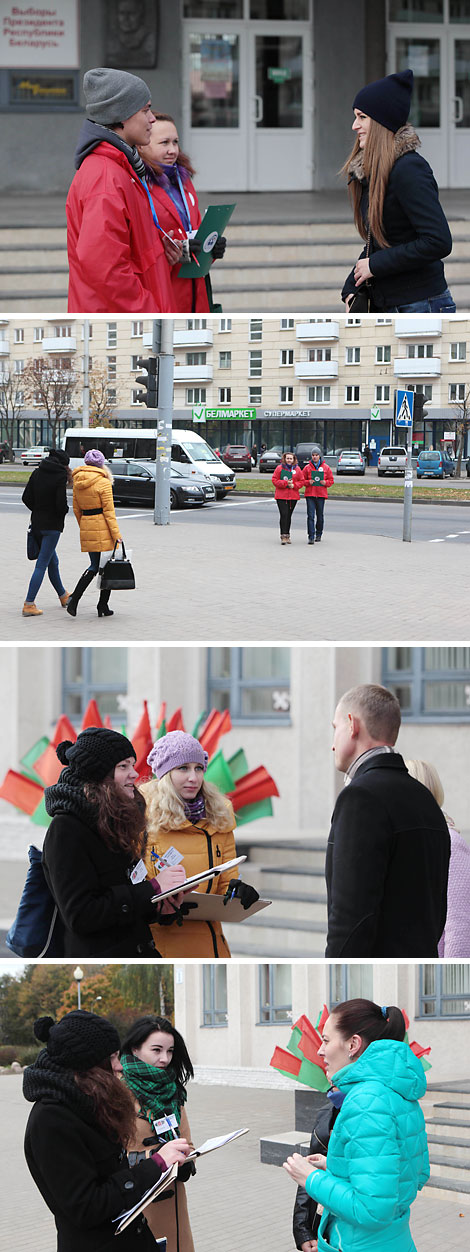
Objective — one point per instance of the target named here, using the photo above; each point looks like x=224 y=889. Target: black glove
x=242 y=891
x=194 y=246
x=186 y=1171
x=219 y=248
x=178 y=914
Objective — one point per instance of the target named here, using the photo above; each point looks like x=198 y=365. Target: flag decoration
x=302 y=1062
x=250 y=791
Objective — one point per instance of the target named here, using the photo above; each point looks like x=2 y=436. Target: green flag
x=238 y=764
x=33 y=754
x=219 y=773
x=40 y=817
x=250 y=812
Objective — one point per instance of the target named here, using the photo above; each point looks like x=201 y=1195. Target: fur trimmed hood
x=406 y=140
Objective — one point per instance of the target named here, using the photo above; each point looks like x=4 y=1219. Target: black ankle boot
x=77 y=593
x=102 y=605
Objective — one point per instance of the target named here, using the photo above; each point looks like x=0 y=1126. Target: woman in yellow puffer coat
x=189 y=822
x=93 y=506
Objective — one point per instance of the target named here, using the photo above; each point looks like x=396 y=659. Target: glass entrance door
x=459 y=138
x=281 y=139
x=413 y=49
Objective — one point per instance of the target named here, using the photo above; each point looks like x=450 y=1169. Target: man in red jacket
x=317 y=477
x=117 y=261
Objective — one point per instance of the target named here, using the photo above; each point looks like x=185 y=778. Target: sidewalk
x=226 y=582
x=236 y=1204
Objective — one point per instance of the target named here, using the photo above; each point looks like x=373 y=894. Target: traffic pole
x=163 y=335
x=86 y=374
x=408 y=494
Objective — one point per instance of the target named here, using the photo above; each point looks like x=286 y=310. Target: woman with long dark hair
x=377 y=1156
x=396 y=207
x=92 y=855
x=157 y=1069
x=45 y=495
x=77 y=1135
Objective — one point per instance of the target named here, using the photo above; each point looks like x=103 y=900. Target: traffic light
x=148 y=380
x=419 y=411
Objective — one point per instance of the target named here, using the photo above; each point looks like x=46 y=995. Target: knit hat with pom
x=174 y=749
x=79 y=1041
x=95 y=753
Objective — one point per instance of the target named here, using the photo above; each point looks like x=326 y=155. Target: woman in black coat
x=46 y=495
x=77 y=1133
x=305 y=1218
x=93 y=848
x=396 y=208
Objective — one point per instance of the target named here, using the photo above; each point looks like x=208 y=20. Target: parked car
x=237 y=456
x=435 y=464
x=135 y=481
x=32 y=456
x=269 y=459
x=351 y=461
x=303 y=452
x=391 y=461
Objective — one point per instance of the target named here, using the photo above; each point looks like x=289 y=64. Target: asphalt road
x=433 y=523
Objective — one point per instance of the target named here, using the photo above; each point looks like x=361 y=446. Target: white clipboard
x=190 y=883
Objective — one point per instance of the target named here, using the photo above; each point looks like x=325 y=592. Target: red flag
x=284 y=1060
x=309 y=1042
x=252 y=787
x=217 y=724
x=48 y=765
x=161 y=715
x=108 y=723
x=142 y=740
x=20 y=791
x=176 y=721
x=91 y=716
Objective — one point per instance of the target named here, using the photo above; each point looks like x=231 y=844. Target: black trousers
x=286 y=509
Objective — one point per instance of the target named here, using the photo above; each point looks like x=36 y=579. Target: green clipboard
x=213 y=224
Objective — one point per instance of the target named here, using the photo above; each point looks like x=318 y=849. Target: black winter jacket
x=387 y=864
x=83 y=1176
x=305 y=1219
x=103 y=913
x=414 y=226
x=45 y=494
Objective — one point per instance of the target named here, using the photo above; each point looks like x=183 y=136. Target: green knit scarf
x=157 y=1090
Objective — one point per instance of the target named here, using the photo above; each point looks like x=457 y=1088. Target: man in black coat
x=389 y=846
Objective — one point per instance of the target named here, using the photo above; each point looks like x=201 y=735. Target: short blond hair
x=427 y=774
x=378 y=707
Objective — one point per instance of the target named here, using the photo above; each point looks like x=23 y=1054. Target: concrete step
x=31 y=259
x=260 y=935
x=274 y=1149
x=304 y=906
x=29 y=282
x=451 y=1148
x=269 y=879
x=450 y=1189
x=457 y=1169
x=452 y=1110
x=299 y=855
x=30 y=236
x=446 y=1129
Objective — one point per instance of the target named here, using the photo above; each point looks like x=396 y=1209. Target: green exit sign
x=279 y=75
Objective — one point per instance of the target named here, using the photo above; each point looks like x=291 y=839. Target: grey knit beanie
x=113 y=95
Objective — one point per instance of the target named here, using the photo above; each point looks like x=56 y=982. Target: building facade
x=271 y=380
x=252 y=84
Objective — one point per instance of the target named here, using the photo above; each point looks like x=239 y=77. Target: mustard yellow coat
x=92 y=489
x=169 y=1215
x=202 y=847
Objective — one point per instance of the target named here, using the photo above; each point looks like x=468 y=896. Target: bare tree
x=462 y=426
x=11 y=405
x=50 y=385
x=102 y=408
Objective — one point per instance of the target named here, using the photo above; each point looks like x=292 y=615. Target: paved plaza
x=236 y=1204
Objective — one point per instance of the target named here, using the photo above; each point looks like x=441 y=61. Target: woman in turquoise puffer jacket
x=377 y=1155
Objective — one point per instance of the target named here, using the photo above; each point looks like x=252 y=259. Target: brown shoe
x=283 y=538
x=64 y=599
x=287 y=538
x=30 y=610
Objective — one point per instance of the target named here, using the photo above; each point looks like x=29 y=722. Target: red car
x=237 y=456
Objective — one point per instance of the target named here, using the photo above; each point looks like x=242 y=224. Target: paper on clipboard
x=190 y=883
x=213 y=224
x=211 y=908
x=164 y=1181
x=210 y=1145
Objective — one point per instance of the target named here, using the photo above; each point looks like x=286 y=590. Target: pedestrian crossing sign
x=404 y=408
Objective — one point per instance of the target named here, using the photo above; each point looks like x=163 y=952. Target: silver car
x=391 y=461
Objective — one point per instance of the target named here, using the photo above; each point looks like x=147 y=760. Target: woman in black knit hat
x=77 y=1133
x=93 y=848
x=396 y=208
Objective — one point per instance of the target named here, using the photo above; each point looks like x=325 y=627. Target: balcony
x=65 y=344
x=418 y=327
x=316 y=369
x=184 y=338
x=4 y=347
x=193 y=373
x=417 y=367
x=323 y=331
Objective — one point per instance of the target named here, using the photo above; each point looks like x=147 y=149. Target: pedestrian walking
x=93 y=506
x=388 y=850
x=117 y=260
x=455 y=939
x=254 y=454
x=92 y=855
x=156 y=1069
x=77 y=1132
x=306 y=1218
x=396 y=208
x=288 y=480
x=169 y=172
x=377 y=1157
x=317 y=477
x=45 y=495
x=190 y=824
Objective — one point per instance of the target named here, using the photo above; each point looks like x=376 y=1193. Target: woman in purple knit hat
x=455 y=938
x=93 y=506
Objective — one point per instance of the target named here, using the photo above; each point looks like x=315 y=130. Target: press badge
x=170 y=858
x=138 y=873
x=164 y=1124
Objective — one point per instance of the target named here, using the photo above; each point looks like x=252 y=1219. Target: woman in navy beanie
x=396 y=208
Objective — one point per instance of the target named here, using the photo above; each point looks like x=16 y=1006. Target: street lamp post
x=78 y=975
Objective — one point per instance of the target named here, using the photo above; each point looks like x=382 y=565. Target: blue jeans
x=315 y=510
x=94 y=561
x=437 y=304
x=47 y=560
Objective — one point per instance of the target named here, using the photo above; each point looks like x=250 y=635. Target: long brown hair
x=283 y=459
x=377 y=158
x=183 y=158
x=120 y=819
x=114 y=1104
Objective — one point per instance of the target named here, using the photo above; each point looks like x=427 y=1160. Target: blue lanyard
x=152 y=206
x=185 y=202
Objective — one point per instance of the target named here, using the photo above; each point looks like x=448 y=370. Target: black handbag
x=33 y=544
x=118 y=575
x=38 y=929
x=363 y=300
